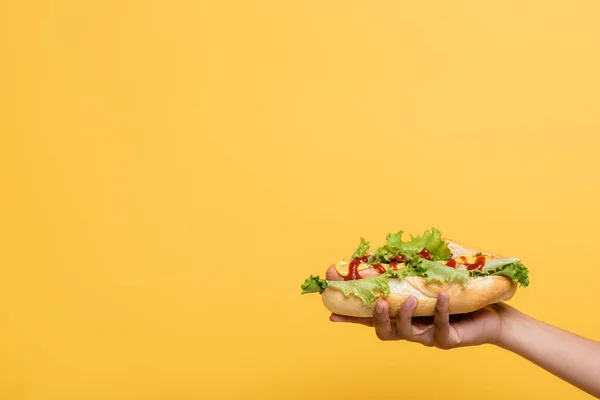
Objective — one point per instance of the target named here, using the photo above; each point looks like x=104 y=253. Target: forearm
x=566 y=355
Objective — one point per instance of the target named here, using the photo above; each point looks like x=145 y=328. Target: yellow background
x=172 y=171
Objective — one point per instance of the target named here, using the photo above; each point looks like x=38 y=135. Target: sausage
x=333 y=275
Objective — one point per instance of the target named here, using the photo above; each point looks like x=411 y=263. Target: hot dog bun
x=478 y=293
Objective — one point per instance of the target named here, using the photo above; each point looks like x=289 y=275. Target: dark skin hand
x=570 y=357
x=441 y=330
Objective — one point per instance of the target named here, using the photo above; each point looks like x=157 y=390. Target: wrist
x=510 y=320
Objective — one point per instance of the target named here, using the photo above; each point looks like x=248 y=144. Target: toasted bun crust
x=478 y=293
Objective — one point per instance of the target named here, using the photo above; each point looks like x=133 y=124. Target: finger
x=353 y=320
x=441 y=321
x=404 y=318
x=419 y=327
x=381 y=320
x=332 y=274
x=421 y=323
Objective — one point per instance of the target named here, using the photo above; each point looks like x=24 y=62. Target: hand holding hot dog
x=441 y=331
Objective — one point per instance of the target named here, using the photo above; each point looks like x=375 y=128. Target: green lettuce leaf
x=430 y=240
x=392 y=247
x=517 y=272
x=370 y=288
x=434 y=271
x=314 y=284
x=439 y=272
x=501 y=262
x=362 y=248
x=410 y=271
x=514 y=270
x=367 y=289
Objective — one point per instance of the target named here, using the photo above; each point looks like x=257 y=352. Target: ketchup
x=399 y=258
x=379 y=268
x=353 y=268
x=393 y=265
x=425 y=254
x=478 y=264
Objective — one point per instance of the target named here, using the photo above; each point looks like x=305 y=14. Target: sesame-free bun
x=478 y=293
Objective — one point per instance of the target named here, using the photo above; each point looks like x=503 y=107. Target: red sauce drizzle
x=353 y=268
x=478 y=264
x=394 y=265
x=379 y=268
x=451 y=263
x=399 y=258
x=425 y=254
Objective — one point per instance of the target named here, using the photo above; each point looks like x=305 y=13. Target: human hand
x=442 y=330
x=570 y=357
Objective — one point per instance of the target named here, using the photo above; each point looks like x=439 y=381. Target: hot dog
x=423 y=266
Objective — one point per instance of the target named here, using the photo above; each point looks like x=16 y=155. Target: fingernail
x=409 y=302
x=379 y=307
